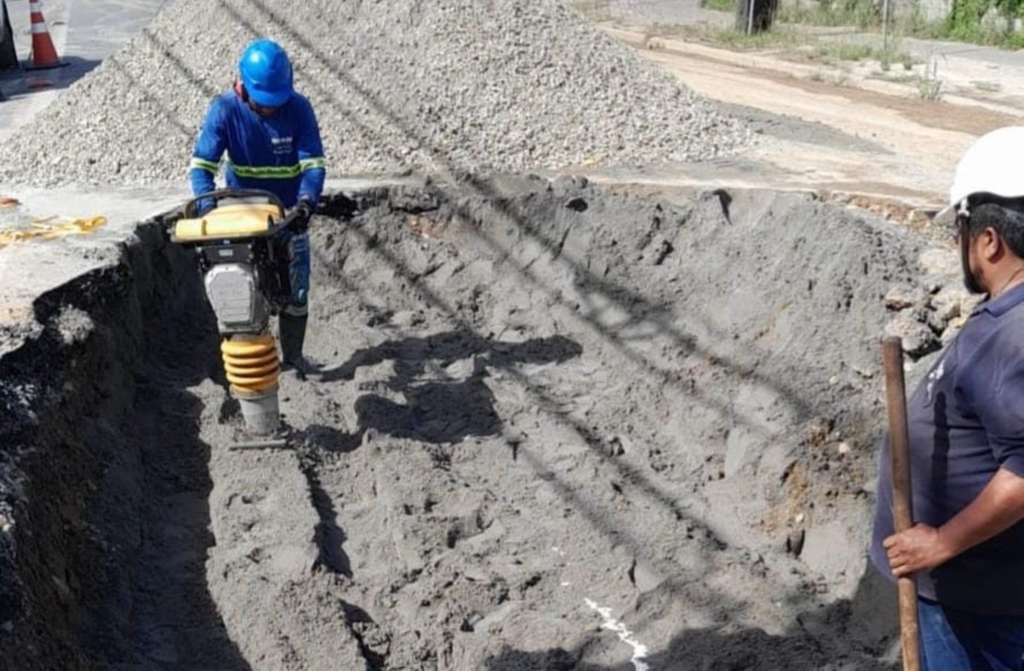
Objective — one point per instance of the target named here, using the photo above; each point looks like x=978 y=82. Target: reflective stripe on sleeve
x=203 y=164
x=312 y=163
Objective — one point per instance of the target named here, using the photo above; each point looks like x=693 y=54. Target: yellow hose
x=53 y=227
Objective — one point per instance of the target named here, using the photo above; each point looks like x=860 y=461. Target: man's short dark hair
x=1005 y=216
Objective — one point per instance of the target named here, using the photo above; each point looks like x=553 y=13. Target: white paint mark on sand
x=624 y=634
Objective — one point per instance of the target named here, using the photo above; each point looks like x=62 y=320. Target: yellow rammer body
x=237 y=257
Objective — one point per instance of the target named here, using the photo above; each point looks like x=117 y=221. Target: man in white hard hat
x=966 y=430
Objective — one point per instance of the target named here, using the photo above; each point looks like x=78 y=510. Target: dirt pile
x=624 y=402
x=427 y=85
x=539 y=409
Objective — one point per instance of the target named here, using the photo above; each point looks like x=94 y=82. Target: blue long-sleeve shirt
x=282 y=154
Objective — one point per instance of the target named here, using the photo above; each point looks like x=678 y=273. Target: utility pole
x=885 y=25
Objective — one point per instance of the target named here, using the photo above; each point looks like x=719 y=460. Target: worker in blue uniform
x=272 y=141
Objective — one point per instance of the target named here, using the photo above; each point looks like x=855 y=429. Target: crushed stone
x=438 y=85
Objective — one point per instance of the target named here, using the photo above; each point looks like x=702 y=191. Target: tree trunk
x=761 y=21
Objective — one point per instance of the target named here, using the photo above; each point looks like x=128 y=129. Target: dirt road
x=829 y=127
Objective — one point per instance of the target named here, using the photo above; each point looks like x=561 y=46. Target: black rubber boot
x=292 y=333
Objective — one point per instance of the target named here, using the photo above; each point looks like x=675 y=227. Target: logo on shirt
x=934 y=377
x=282 y=145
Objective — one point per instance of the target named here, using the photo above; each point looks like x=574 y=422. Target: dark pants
x=954 y=640
x=299 y=268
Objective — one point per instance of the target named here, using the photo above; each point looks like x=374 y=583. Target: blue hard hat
x=266 y=73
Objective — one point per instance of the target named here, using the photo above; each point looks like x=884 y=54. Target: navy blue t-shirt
x=966 y=421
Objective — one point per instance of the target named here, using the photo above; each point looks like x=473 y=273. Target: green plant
x=833 y=52
x=845 y=51
x=929 y=86
x=967 y=23
x=902 y=79
x=720 y=5
x=832 y=79
x=892 y=54
x=861 y=13
x=659 y=29
x=929 y=89
x=736 y=39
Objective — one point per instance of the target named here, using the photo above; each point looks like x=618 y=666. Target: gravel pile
x=422 y=85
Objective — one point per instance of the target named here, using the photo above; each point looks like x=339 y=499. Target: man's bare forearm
x=997 y=508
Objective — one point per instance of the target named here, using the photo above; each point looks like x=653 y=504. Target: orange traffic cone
x=44 y=55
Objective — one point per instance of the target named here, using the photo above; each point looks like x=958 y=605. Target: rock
x=293 y=562
x=918 y=339
x=940 y=262
x=795 y=542
x=949 y=302
x=644 y=576
x=740 y=442
x=902 y=298
x=494 y=619
x=831 y=548
x=577 y=204
x=413 y=201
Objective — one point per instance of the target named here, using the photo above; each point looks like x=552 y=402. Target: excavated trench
x=550 y=426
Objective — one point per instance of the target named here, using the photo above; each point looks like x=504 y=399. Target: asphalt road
x=84 y=33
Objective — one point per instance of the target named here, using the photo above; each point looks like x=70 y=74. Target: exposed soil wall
x=537 y=408
x=84 y=463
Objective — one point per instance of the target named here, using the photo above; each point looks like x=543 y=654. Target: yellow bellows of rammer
x=251 y=366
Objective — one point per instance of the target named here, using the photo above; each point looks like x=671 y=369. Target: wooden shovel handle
x=903 y=516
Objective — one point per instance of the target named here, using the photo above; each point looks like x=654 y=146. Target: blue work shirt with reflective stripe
x=965 y=421
x=282 y=154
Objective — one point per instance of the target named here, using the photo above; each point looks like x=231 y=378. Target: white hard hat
x=993 y=164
